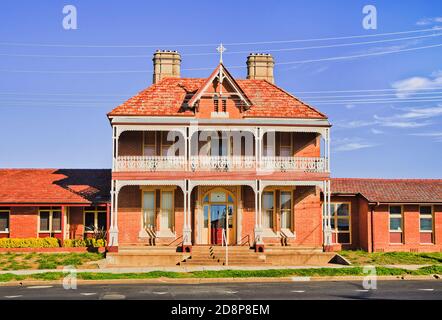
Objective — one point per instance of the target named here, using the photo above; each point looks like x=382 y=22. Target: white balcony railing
x=150 y=163
x=306 y=164
x=220 y=163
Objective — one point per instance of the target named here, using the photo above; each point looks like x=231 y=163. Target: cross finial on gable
x=221 y=49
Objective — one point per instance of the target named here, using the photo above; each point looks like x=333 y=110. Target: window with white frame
x=4 y=221
x=268 y=206
x=149 y=209
x=285 y=204
x=166 y=210
x=95 y=218
x=395 y=218
x=341 y=222
x=426 y=224
x=49 y=219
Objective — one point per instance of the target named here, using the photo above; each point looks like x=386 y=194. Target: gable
x=219 y=96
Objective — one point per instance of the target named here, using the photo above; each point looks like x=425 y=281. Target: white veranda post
x=113 y=229
x=187 y=230
x=327 y=214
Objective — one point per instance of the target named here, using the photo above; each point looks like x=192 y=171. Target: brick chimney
x=166 y=63
x=260 y=66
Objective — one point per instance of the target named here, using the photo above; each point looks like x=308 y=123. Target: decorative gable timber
x=221 y=74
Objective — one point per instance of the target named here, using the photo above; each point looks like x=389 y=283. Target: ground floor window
x=396 y=224
x=161 y=202
x=341 y=222
x=4 y=221
x=149 y=209
x=277 y=203
x=285 y=205
x=166 y=210
x=268 y=209
x=426 y=224
x=50 y=219
x=95 y=218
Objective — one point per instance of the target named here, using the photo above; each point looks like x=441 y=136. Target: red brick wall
x=129 y=214
x=23 y=222
x=76 y=227
x=308 y=217
x=248 y=214
x=131 y=143
x=306 y=145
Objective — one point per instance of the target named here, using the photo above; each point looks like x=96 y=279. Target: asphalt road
x=401 y=290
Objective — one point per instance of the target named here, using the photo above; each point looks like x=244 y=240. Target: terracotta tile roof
x=391 y=190
x=70 y=186
x=169 y=97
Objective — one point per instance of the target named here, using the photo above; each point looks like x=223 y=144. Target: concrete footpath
x=197 y=268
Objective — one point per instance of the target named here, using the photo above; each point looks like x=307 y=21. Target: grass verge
x=359 y=257
x=34 y=260
x=274 y=273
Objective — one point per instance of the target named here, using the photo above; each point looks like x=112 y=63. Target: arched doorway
x=219 y=213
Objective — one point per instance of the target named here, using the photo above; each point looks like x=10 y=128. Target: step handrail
x=173 y=241
x=245 y=242
x=224 y=241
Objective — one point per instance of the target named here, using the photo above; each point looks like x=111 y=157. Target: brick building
x=206 y=161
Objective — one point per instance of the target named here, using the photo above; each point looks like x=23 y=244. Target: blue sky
x=55 y=91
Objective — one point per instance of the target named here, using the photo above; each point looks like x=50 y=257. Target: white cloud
x=436 y=135
x=407 y=87
x=376 y=131
x=397 y=124
x=351 y=146
x=429 y=21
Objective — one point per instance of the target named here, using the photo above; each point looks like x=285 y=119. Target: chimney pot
x=166 y=63
x=260 y=66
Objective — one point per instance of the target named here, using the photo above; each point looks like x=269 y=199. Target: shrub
x=70 y=243
x=29 y=243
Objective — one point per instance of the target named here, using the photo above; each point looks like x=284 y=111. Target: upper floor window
x=149 y=143
x=94 y=219
x=4 y=221
x=159 y=143
x=285 y=144
x=50 y=219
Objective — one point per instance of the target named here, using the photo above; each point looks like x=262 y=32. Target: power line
x=369 y=90
x=214 y=53
x=231 y=67
x=214 y=44
x=371 y=102
x=369 y=95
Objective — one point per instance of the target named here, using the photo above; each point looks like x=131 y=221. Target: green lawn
x=352 y=271
x=19 y=261
x=359 y=257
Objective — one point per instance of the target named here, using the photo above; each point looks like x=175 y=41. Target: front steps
x=205 y=255
x=216 y=255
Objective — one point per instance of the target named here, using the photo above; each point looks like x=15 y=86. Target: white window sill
x=219 y=115
x=289 y=233
x=165 y=234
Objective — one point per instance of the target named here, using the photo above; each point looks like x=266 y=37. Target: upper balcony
x=220 y=151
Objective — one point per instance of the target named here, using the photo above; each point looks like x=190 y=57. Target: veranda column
x=187 y=230
x=326 y=217
x=259 y=243
x=113 y=230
